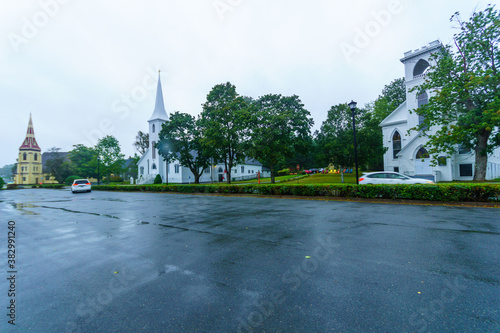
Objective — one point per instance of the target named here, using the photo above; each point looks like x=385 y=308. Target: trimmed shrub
x=445 y=193
x=53 y=186
x=69 y=180
x=117 y=179
x=157 y=179
x=284 y=172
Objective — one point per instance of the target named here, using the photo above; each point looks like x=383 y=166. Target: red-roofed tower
x=29 y=162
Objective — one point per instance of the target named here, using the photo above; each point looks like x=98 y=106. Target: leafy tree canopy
x=57 y=165
x=280 y=127
x=110 y=157
x=84 y=160
x=181 y=138
x=335 y=140
x=224 y=121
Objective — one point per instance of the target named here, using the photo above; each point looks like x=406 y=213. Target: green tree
x=335 y=140
x=84 y=160
x=141 y=143
x=132 y=169
x=57 y=165
x=2 y=183
x=280 y=127
x=110 y=157
x=181 y=138
x=393 y=95
x=224 y=122
x=465 y=97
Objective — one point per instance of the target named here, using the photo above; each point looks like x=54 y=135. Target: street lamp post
x=352 y=106
x=97 y=169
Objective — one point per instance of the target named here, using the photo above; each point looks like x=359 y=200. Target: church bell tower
x=29 y=161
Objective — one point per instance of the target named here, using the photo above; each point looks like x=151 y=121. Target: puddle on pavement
x=108 y=199
x=24 y=208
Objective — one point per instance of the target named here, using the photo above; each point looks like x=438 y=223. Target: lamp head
x=352 y=105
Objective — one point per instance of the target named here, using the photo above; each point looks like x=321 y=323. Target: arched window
x=422 y=153
x=420 y=67
x=153 y=128
x=36 y=157
x=154 y=166
x=242 y=169
x=396 y=144
x=154 y=149
x=423 y=99
x=25 y=156
x=142 y=170
x=220 y=169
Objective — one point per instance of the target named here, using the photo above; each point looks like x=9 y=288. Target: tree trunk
x=228 y=166
x=273 y=176
x=481 y=156
x=197 y=178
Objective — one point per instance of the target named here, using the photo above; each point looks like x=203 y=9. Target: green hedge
x=448 y=192
x=54 y=186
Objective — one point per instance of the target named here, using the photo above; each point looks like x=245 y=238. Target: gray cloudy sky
x=85 y=69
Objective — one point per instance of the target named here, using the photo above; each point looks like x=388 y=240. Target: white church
x=152 y=164
x=407 y=153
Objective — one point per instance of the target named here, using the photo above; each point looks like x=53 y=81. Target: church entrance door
x=423 y=163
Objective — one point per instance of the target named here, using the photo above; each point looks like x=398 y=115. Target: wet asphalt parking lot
x=152 y=262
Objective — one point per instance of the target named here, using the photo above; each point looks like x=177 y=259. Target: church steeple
x=159 y=112
x=29 y=142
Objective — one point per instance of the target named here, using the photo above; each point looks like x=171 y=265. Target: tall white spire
x=159 y=111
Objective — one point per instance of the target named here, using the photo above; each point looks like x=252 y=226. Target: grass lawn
x=266 y=180
x=330 y=178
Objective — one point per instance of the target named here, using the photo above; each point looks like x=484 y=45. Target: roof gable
x=400 y=115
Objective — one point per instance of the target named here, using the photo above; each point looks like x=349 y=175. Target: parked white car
x=390 y=177
x=81 y=185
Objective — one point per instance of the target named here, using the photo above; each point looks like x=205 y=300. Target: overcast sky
x=86 y=69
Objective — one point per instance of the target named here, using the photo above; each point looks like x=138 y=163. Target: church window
x=154 y=166
x=220 y=169
x=420 y=68
x=36 y=157
x=423 y=99
x=153 y=128
x=422 y=153
x=25 y=156
x=207 y=170
x=396 y=144
x=142 y=170
x=154 y=149
x=24 y=179
x=465 y=170
x=242 y=169
x=176 y=168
